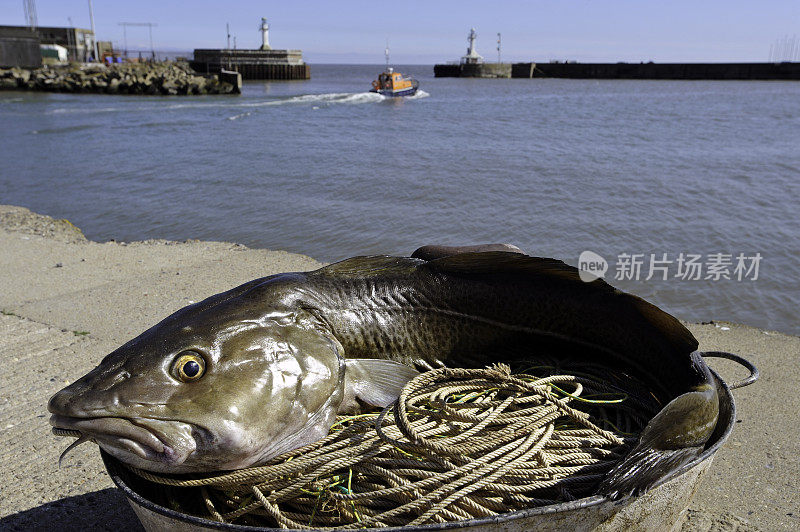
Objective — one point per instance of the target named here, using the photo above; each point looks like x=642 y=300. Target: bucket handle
x=754 y=373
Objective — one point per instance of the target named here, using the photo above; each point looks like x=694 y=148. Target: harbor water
x=688 y=190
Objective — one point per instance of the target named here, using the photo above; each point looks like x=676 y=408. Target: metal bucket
x=661 y=508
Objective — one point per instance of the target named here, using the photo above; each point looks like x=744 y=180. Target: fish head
x=210 y=388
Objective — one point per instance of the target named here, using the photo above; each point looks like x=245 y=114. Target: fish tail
x=642 y=469
x=676 y=435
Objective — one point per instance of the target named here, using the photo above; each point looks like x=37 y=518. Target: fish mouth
x=117 y=435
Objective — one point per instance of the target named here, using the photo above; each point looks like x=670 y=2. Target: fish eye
x=188 y=366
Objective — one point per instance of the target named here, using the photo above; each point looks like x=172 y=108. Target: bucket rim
x=113 y=468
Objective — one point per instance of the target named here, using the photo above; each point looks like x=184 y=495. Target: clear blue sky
x=435 y=30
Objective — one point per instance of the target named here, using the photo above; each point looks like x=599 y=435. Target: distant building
x=79 y=42
x=105 y=48
x=19 y=47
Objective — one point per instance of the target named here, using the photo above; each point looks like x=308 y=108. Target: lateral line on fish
x=487 y=321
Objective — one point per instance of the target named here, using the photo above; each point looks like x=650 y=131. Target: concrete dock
x=66 y=302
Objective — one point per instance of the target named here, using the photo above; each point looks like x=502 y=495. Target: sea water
x=686 y=190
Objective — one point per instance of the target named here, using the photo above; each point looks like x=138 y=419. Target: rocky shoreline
x=167 y=78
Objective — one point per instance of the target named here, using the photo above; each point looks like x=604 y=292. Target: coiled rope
x=457 y=444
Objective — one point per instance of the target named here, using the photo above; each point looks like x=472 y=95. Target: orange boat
x=391 y=83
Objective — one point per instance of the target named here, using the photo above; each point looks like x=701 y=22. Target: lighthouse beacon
x=265 y=35
x=472 y=57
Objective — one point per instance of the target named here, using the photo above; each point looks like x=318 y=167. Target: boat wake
x=316 y=101
x=329 y=98
x=240 y=115
x=85 y=110
x=245 y=108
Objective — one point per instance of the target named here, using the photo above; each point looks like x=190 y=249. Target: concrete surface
x=67 y=302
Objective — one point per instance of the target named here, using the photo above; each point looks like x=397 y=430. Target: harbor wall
x=697 y=71
x=474 y=70
x=253 y=64
x=446 y=71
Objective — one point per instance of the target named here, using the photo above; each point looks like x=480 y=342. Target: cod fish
x=245 y=375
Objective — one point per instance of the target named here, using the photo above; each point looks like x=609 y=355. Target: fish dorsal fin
x=556 y=271
x=368 y=266
x=377 y=382
x=499 y=262
x=432 y=252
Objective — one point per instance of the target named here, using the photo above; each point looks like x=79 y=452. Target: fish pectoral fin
x=374 y=381
x=671 y=439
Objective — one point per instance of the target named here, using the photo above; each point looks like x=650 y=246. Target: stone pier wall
x=480 y=70
x=711 y=71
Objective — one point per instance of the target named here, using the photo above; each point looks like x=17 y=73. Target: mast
x=94 y=35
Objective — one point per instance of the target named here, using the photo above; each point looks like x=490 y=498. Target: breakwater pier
x=263 y=63
x=473 y=70
x=472 y=65
x=167 y=78
x=253 y=64
x=706 y=71
x=696 y=71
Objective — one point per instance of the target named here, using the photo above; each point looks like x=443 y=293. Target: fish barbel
x=264 y=368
